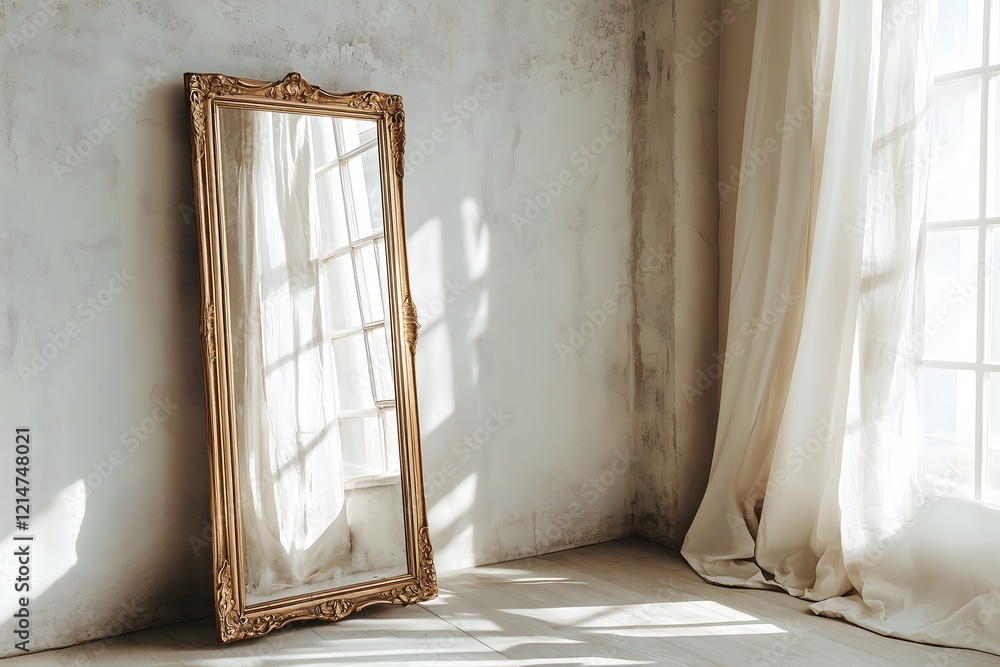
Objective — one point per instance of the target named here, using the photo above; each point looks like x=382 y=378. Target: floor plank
x=621 y=603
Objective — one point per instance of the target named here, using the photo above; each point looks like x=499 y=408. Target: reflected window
x=349 y=198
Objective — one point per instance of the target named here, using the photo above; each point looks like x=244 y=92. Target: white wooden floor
x=622 y=603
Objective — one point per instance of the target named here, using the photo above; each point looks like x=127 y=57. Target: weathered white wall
x=99 y=256
x=675 y=210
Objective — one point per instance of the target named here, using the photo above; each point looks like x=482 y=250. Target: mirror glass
x=313 y=388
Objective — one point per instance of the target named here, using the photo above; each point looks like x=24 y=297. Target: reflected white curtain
x=293 y=506
x=814 y=484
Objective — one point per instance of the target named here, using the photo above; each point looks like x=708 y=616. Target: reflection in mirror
x=309 y=336
x=317 y=444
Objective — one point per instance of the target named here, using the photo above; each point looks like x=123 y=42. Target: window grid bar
x=345 y=185
x=960 y=365
x=958 y=225
x=968 y=74
x=980 y=363
x=384 y=449
x=988 y=285
x=367 y=241
x=359 y=413
x=353 y=331
x=981 y=266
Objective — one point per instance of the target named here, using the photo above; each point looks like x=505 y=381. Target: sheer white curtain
x=813 y=487
x=293 y=504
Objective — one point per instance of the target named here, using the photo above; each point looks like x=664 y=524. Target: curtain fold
x=293 y=511
x=814 y=487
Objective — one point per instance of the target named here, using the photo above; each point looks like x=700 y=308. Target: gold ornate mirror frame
x=236 y=619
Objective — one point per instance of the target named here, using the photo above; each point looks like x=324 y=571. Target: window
x=349 y=198
x=961 y=364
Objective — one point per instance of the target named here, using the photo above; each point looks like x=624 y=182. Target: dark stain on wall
x=672 y=435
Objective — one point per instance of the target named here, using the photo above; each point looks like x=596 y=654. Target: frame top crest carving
x=293 y=88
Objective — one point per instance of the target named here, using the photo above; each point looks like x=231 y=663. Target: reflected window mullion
x=385 y=439
x=353 y=153
x=364 y=335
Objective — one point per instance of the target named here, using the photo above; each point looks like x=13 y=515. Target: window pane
x=369 y=284
x=323 y=141
x=959 y=42
x=361 y=443
x=993 y=151
x=366 y=189
x=330 y=208
x=343 y=309
x=381 y=358
x=954 y=169
x=367 y=131
x=951 y=288
x=991 y=487
x=354 y=385
x=349 y=133
x=947 y=458
x=356 y=133
x=390 y=429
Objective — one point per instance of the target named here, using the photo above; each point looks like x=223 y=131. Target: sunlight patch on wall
x=477 y=258
x=434 y=360
x=53 y=551
x=450 y=516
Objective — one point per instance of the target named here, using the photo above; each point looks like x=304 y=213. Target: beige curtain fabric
x=736 y=47
x=814 y=486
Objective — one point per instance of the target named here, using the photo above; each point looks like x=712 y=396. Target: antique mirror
x=308 y=335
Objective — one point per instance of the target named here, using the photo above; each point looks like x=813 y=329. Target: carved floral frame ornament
x=206 y=94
